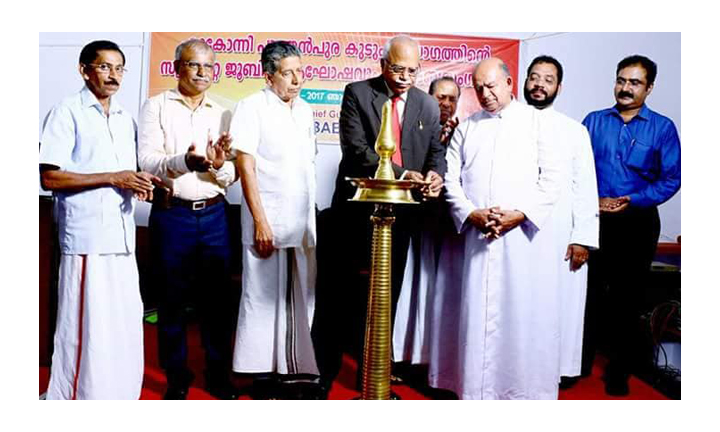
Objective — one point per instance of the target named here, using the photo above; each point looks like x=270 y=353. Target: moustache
x=112 y=82
x=623 y=94
x=538 y=89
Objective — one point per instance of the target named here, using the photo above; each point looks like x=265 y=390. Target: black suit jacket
x=360 y=119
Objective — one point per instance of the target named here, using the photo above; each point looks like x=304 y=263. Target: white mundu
x=507 y=319
x=278 y=298
x=575 y=220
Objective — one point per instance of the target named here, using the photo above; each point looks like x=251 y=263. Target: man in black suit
x=344 y=240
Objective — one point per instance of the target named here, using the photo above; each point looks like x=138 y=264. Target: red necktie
x=397 y=131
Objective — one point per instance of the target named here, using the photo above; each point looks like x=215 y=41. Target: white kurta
x=278 y=297
x=574 y=220
x=507 y=337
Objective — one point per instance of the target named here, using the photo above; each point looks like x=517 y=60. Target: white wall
x=589 y=60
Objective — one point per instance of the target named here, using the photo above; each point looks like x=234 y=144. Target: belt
x=196 y=205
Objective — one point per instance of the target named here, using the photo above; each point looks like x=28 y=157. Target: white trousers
x=98 y=350
x=276 y=312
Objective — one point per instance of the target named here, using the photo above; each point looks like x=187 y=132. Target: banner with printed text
x=330 y=62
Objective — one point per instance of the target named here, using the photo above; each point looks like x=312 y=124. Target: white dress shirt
x=168 y=126
x=281 y=138
x=78 y=137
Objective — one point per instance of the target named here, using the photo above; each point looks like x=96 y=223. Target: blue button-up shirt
x=640 y=159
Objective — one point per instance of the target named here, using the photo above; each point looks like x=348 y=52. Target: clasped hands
x=215 y=154
x=141 y=183
x=494 y=221
x=614 y=205
x=433 y=180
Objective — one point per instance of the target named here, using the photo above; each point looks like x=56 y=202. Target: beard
x=539 y=104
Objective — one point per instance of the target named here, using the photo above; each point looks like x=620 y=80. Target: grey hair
x=192 y=43
x=392 y=40
x=276 y=51
x=435 y=82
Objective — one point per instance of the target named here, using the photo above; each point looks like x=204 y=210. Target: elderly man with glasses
x=183 y=139
x=419 y=156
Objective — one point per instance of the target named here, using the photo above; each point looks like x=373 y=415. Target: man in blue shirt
x=637 y=160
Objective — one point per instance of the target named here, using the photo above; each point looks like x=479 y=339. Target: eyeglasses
x=400 y=70
x=195 y=66
x=105 y=68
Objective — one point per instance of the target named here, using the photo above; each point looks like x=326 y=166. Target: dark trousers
x=343 y=260
x=191 y=264
x=618 y=274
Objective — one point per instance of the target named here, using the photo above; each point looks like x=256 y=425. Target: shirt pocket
x=640 y=157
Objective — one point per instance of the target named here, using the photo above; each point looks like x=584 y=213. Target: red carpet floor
x=590 y=388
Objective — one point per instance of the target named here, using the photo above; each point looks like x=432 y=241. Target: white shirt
x=281 y=138
x=167 y=128
x=78 y=137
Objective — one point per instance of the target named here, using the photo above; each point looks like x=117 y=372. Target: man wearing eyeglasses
x=419 y=156
x=183 y=139
x=637 y=159
x=87 y=158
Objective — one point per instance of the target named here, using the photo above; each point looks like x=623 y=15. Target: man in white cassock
x=575 y=220
x=501 y=311
x=275 y=140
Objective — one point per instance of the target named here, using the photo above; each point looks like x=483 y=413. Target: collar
x=643 y=114
x=272 y=97
x=403 y=96
x=509 y=108
x=88 y=99
x=174 y=94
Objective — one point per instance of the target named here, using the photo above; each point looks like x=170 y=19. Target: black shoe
x=303 y=391
x=223 y=390
x=178 y=385
x=568 y=382
x=265 y=389
x=616 y=385
x=323 y=389
x=176 y=393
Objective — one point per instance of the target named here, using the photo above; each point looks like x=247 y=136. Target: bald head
x=400 y=63
x=493 y=84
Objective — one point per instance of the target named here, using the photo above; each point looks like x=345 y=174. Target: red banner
x=330 y=61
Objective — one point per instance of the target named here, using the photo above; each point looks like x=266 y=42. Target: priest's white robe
x=575 y=220
x=507 y=338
